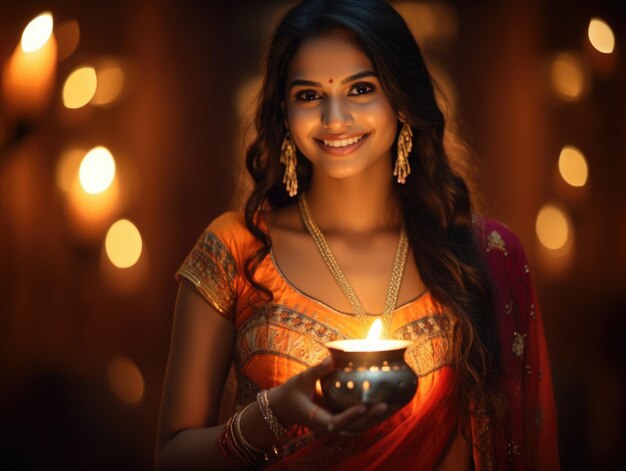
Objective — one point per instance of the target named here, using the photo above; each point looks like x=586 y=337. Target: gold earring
x=288 y=158
x=405 y=144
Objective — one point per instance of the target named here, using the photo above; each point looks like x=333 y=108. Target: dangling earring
x=288 y=158
x=405 y=144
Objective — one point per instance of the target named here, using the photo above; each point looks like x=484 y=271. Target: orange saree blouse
x=283 y=337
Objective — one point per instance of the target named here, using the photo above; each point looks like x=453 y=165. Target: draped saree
x=281 y=338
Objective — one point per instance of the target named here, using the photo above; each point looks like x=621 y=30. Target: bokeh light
x=67 y=168
x=68 y=37
x=569 y=76
x=126 y=380
x=79 y=87
x=601 y=36
x=573 y=166
x=552 y=227
x=110 y=83
x=123 y=244
x=97 y=170
x=37 y=32
x=433 y=24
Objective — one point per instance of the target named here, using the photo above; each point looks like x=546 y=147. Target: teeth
x=343 y=142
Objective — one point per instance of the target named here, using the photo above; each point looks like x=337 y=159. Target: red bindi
x=330 y=80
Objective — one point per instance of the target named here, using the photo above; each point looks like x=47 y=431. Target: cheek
x=301 y=121
x=381 y=117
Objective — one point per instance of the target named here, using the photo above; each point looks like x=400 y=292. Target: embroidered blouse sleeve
x=211 y=268
x=531 y=438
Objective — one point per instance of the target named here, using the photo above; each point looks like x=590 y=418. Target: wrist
x=278 y=429
x=276 y=403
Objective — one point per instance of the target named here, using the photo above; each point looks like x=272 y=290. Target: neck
x=356 y=205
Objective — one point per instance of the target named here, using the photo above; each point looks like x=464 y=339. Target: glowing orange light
x=97 y=170
x=80 y=87
x=123 y=244
x=28 y=76
x=110 y=78
x=569 y=76
x=68 y=37
x=376 y=330
x=573 y=166
x=601 y=36
x=37 y=33
x=552 y=227
x=67 y=168
x=126 y=380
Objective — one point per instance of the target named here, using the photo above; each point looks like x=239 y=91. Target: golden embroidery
x=518 y=344
x=271 y=330
x=431 y=350
x=496 y=242
x=211 y=269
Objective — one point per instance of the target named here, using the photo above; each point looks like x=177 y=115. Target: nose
x=336 y=115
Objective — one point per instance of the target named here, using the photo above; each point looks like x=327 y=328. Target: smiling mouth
x=341 y=146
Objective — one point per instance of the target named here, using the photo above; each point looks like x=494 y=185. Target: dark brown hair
x=435 y=201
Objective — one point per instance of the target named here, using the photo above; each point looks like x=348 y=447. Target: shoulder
x=228 y=226
x=230 y=229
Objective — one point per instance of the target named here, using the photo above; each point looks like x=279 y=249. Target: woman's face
x=337 y=112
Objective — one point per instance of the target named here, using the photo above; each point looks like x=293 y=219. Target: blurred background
x=121 y=135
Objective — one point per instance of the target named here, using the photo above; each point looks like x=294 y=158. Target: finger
x=325 y=422
x=318 y=371
x=374 y=416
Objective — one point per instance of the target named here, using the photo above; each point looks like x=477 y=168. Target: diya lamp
x=369 y=371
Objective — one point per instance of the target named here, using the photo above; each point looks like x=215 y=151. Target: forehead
x=334 y=54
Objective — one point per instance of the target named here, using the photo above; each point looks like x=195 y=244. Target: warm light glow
x=433 y=24
x=68 y=37
x=123 y=244
x=376 y=330
x=67 y=168
x=110 y=79
x=97 y=170
x=552 y=227
x=573 y=166
x=37 y=33
x=601 y=36
x=126 y=380
x=80 y=87
x=569 y=77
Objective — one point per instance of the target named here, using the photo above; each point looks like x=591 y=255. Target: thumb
x=324 y=368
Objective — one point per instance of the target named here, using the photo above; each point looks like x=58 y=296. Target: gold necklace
x=396 y=273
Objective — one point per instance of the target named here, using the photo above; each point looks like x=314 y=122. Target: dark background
x=66 y=314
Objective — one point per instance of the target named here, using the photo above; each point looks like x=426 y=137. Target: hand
x=292 y=403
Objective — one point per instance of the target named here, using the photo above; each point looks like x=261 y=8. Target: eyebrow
x=351 y=78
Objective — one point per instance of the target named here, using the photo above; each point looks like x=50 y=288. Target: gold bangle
x=251 y=449
x=233 y=444
x=279 y=430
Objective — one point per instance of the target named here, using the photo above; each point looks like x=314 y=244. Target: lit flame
x=37 y=33
x=376 y=330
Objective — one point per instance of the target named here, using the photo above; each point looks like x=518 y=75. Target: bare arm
x=200 y=355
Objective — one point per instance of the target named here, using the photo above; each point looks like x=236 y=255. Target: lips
x=346 y=145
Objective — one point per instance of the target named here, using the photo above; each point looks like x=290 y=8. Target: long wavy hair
x=435 y=201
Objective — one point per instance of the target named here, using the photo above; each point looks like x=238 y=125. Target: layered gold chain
x=396 y=273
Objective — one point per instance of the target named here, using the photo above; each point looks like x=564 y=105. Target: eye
x=307 y=95
x=362 y=88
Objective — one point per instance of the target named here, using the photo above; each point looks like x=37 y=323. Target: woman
x=352 y=183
